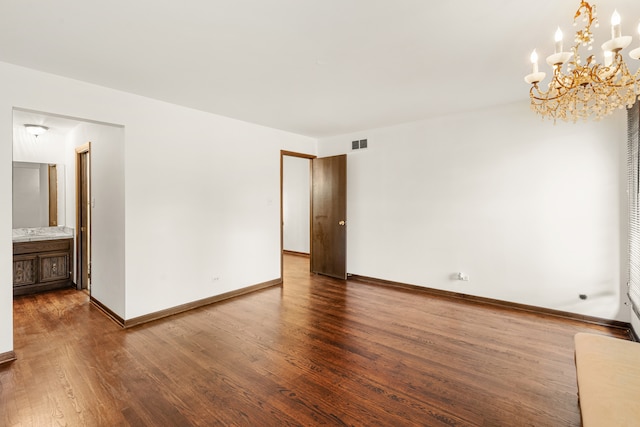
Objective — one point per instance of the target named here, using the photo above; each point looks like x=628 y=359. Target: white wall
x=201 y=192
x=296 y=202
x=107 y=208
x=6 y=249
x=533 y=213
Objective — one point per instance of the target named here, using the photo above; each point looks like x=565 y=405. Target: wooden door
x=83 y=230
x=329 y=216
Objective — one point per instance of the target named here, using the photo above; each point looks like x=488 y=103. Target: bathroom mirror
x=38 y=195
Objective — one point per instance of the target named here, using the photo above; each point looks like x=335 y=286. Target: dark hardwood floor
x=316 y=351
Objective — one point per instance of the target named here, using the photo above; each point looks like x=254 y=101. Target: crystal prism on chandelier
x=582 y=89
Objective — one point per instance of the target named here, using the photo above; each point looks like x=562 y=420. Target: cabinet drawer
x=54 y=266
x=25 y=270
x=59 y=245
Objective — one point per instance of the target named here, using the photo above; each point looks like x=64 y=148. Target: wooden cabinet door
x=54 y=266
x=25 y=271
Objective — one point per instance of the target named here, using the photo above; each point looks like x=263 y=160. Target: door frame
x=310 y=157
x=80 y=151
x=53 y=195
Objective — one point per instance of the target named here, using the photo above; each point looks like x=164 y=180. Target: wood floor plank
x=316 y=351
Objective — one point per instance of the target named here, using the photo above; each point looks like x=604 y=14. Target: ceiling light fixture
x=36 y=129
x=585 y=89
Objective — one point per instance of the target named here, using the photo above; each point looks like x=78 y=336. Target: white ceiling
x=313 y=67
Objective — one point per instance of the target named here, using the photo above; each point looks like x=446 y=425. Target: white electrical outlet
x=464 y=277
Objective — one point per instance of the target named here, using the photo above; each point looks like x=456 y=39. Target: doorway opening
x=313 y=211
x=295 y=205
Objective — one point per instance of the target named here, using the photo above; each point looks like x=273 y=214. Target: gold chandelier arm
x=589 y=10
x=543 y=95
x=563 y=82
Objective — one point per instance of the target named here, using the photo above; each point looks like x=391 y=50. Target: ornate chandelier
x=584 y=89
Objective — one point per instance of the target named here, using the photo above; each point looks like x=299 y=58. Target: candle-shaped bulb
x=558 y=39
x=534 y=61
x=638 y=28
x=615 y=18
x=608 y=58
x=615 y=25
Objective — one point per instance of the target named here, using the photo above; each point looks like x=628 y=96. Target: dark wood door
x=83 y=221
x=329 y=216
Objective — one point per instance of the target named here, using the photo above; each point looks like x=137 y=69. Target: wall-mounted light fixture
x=36 y=129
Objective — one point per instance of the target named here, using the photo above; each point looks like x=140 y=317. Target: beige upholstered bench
x=608 y=372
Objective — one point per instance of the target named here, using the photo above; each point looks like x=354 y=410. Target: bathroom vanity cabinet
x=41 y=265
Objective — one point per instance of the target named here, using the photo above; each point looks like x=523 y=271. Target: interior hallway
x=314 y=351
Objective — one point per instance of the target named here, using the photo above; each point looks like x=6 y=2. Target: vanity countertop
x=41 y=233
